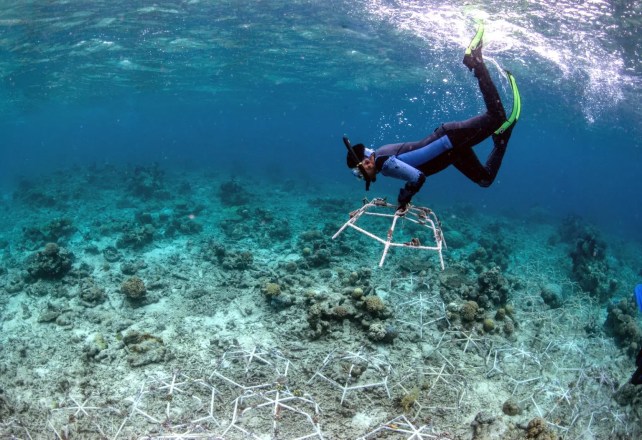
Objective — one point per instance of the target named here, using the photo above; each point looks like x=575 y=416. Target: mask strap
x=348 y=145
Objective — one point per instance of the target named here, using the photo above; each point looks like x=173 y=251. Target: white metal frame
x=415 y=214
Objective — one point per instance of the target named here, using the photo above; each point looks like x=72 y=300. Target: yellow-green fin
x=477 y=39
x=517 y=105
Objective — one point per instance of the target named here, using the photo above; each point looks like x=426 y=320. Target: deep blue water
x=270 y=87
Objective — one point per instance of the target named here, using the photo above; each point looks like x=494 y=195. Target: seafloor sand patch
x=188 y=306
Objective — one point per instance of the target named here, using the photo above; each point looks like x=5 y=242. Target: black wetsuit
x=450 y=144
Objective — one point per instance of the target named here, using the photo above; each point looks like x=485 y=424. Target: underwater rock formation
x=50 y=263
x=134 y=288
x=382 y=332
x=552 y=295
x=238 y=260
x=468 y=311
x=232 y=193
x=52 y=232
x=621 y=324
x=147 y=182
x=136 y=236
x=111 y=254
x=511 y=407
x=491 y=251
x=144 y=349
x=91 y=294
x=590 y=268
x=259 y=224
x=356 y=303
x=493 y=288
x=213 y=251
x=182 y=220
x=183 y=225
x=227 y=258
x=538 y=429
x=32 y=194
x=315 y=249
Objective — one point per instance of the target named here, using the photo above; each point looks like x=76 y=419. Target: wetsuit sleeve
x=414 y=178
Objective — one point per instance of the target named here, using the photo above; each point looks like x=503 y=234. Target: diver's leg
x=484 y=175
x=495 y=158
x=468 y=164
x=493 y=102
x=474 y=60
x=470 y=132
x=472 y=55
x=465 y=134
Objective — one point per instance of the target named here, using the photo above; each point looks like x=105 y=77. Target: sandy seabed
x=139 y=303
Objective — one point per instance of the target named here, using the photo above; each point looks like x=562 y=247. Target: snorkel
x=359 y=163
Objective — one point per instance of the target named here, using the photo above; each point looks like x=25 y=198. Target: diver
x=450 y=144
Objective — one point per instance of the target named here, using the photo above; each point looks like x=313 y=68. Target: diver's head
x=362 y=166
x=356 y=155
x=366 y=169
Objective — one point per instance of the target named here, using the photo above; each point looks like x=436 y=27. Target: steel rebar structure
x=418 y=215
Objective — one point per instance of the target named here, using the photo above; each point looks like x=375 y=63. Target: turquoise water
x=187 y=82
x=119 y=116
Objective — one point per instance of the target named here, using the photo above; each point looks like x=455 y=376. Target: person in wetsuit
x=450 y=144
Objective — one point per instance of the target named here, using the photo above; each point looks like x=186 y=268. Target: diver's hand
x=401 y=210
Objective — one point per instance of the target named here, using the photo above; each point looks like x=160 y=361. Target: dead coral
x=147 y=182
x=134 y=288
x=537 y=429
x=144 y=349
x=590 y=267
x=494 y=288
x=232 y=193
x=136 y=236
x=50 y=263
x=271 y=290
x=621 y=324
x=468 y=311
x=374 y=305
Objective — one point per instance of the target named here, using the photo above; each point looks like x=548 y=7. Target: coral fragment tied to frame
x=424 y=218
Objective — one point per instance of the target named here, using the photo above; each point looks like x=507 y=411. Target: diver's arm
x=414 y=178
